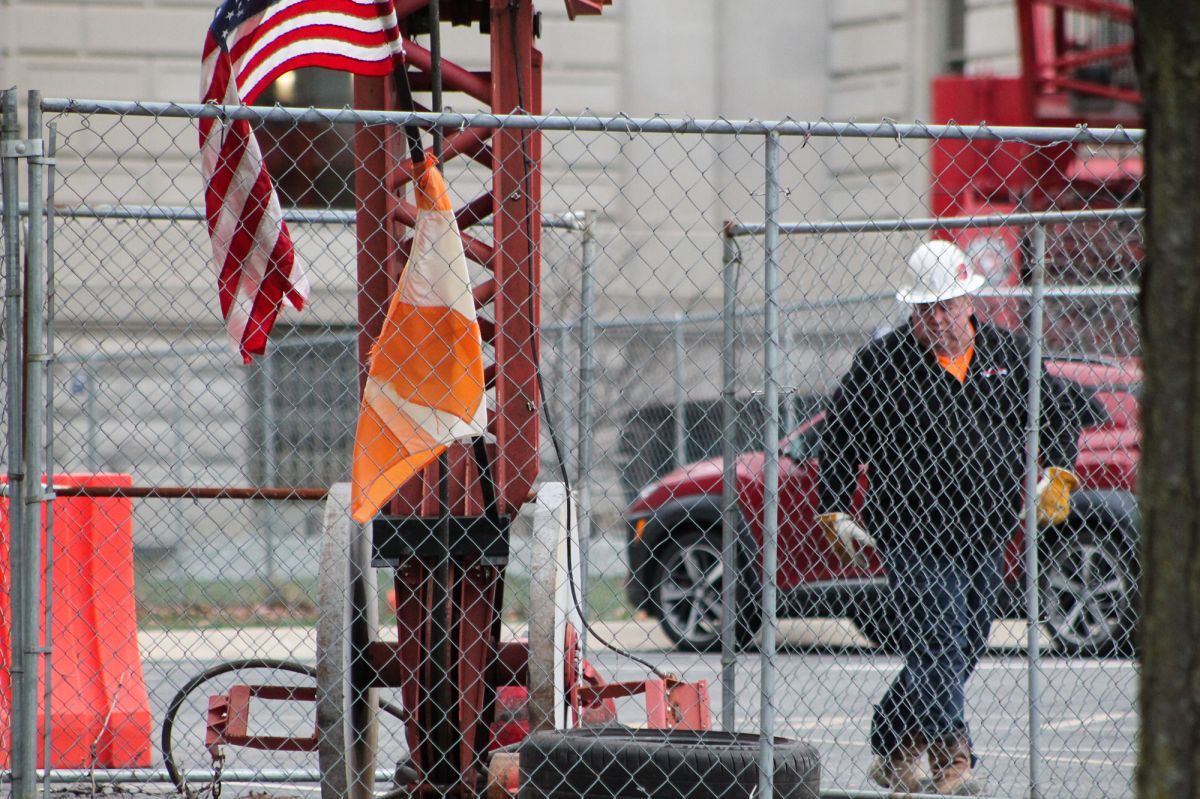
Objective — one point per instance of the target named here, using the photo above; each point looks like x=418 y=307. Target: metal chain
x=214 y=784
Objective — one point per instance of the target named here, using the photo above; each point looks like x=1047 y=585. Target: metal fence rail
x=704 y=286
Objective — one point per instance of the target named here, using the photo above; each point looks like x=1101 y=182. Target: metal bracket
x=21 y=148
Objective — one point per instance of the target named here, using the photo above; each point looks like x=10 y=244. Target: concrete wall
x=851 y=60
x=660 y=200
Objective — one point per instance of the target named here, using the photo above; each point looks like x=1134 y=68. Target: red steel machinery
x=446 y=531
x=1076 y=69
x=445 y=534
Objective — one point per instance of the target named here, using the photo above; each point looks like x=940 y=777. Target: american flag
x=249 y=44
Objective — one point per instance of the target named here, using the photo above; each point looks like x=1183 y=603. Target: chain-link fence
x=704 y=289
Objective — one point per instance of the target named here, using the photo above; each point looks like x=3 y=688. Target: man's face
x=944 y=327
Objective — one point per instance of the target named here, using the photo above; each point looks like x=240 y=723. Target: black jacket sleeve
x=847 y=433
x=1063 y=411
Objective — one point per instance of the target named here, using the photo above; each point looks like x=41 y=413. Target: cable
x=168 y=725
x=535 y=351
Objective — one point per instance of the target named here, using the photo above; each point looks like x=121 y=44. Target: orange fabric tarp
x=424 y=387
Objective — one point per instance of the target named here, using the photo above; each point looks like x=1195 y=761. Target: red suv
x=1089 y=564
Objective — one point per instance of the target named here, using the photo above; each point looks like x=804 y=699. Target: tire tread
x=615 y=762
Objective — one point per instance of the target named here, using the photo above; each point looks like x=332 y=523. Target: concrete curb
x=637 y=635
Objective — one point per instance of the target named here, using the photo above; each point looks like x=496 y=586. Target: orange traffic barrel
x=98 y=691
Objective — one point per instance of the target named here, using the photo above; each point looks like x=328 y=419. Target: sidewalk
x=299 y=643
x=641 y=635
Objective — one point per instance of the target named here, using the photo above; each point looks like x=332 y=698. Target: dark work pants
x=944 y=606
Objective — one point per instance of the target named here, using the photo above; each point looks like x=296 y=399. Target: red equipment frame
x=1077 y=61
x=449 y=622
x=448 y=662
x=1077 y=68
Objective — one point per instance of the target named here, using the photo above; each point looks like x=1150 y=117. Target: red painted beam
x=454 y=77
x=475 y=211
x=586 y=7
x=484 y=293
x=373 y=208
x=1096 y=89
x=516 y=228
x=423 y=81
x=470 y=143
x=487 y=330
x=1078 y=58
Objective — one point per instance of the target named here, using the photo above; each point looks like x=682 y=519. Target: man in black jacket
x=937 y=410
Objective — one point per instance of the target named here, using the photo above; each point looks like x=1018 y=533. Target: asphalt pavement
x=826 y=679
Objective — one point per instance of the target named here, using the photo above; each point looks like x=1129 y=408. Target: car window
x=806 y=444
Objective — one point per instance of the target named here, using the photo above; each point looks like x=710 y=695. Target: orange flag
x=424 y=387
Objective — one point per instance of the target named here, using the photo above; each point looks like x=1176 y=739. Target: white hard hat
x=938 y=271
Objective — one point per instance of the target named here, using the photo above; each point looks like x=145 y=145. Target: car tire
x=687 y=595
x=1088 y=591
x=603 y=762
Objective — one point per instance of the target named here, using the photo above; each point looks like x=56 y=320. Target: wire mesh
x=147 y=393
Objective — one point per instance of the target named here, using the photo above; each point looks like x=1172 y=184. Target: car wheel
x=1088 y=594
x=688 y=595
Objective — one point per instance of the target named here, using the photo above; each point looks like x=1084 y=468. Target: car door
x=804 y=554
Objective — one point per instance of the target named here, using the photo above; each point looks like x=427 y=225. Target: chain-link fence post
x=770 y=555
x=1031 y=528
x=25 y=488
x=729 y=511
x=22 y=751
x=48 y=377
x=35 y=420
x=790 y=379
x=587 y=346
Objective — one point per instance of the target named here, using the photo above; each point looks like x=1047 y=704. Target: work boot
x=950 y=764
x=902 y=770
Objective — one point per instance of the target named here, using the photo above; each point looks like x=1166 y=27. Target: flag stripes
x=249 y=44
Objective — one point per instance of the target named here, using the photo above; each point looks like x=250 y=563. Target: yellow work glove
x=848 y=540
x=1054 y=495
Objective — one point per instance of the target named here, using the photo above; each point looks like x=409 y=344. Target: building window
x=312 y=164
x=305 y=408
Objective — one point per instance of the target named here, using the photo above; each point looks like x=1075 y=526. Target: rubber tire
x=347 y=596
x=1111 y=566
x=615 y=761
x=708 y=548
